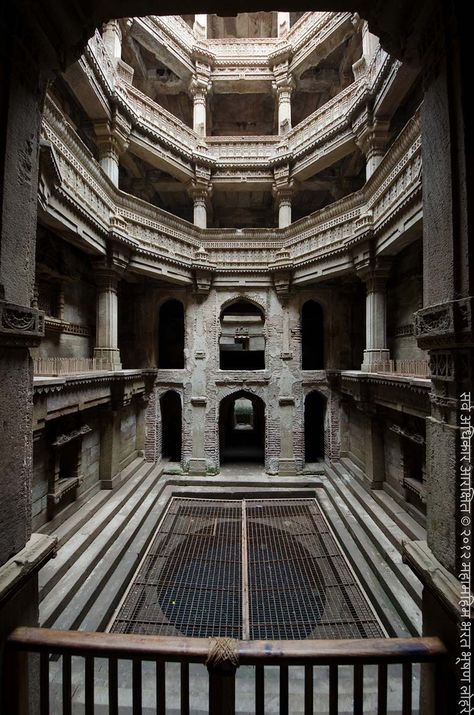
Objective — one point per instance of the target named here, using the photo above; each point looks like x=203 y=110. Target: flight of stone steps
x=99 y=549
x=372 y=527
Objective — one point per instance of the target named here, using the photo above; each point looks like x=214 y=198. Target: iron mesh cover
x=257 y=568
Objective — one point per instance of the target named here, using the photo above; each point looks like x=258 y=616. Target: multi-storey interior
x=230 y=273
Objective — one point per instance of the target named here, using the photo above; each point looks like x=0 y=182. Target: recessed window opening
x=314 y=418
x=171 y=335
x=171 y=418
x=312 y=336
x=242 y=341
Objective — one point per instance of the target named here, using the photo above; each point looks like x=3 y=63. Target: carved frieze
x=20 y=325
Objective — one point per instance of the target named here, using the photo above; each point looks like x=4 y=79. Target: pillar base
x=197 y=467
x=378 y=359
x=287 y=468
x=107 y=359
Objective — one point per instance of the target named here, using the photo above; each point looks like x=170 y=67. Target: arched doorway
x=312 y=336
x=171 y=335
x=314 y=418
x=242 y=341
x=171 y=419
x=242 y=428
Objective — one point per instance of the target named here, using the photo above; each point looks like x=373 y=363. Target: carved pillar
x=374 y=449
x=283 y=20
x=112 y=141
x=200 y=27
x=283 y=85
x=200 y=193
x=199 y=88
x=106 y=349
x=286 y=462
x=283 y=195
x=370 y=43
x=109 y=447
x=112 y=36
x=376 y=350
x=372 y=137
x=197 y=463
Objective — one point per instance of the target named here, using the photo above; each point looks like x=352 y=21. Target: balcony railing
x=410 y=368
x=149 y=656
x=52 y=366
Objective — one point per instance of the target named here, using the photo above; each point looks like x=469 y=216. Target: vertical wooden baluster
x=67 y=692
x=358 y=689
x=15 y=682
x=184 y=688
x=113 y=686
x=136 y=686
x=259 y=690
x=222 y=689
x=283 y=690
x=89 y=682
x=382 y=689
x=44 y=684
x=308 y=689
x=160 y=688
x=406 y=703
x=333 y=690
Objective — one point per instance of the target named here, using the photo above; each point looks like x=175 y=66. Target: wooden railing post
x=222 y=688
x=15 y=681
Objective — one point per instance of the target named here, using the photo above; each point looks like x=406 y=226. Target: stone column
x=283 y=195
x=376 y=350
x=200 y=193
x=370 y=43
x=286 y=463
x=112 y=37
x=197 y=463
x=106 y=349
x=283 y=20
x=112 y=141
x=284 y=107
x=109 y=447
x=200 y=27
x=199 y=88
x=372 y=138
x=374 y=449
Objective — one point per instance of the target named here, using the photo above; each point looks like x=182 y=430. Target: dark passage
x=170 y=405
x=314 y=415
x=242 y=341
x=171 y=335
x=312 y=336
x=242 y=428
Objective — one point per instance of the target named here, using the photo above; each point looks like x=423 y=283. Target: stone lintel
x=26 y=563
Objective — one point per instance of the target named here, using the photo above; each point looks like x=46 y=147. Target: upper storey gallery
x=251 y=121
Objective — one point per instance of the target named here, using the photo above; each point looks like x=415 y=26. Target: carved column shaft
x=106 y=349
x=112 y=36
x=284 y=108
x=376 y=350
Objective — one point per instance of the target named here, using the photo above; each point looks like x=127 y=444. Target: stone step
x=109 y=534
x=66 y=528
x=81 y=528
x=404 y=521
x=394 y=535
x=363 y=510
x=371 y=563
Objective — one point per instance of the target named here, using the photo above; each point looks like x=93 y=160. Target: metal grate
x=260 y=569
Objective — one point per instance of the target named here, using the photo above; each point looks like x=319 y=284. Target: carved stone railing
x=411 y=368
x=65 y=365
x=163 y=129
x=83 y=189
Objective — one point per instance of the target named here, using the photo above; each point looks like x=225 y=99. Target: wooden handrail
x=307 y=652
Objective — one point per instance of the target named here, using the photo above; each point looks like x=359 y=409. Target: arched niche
x=242 y=339
x=171 y=425
x=312 y=336
x=171 y=335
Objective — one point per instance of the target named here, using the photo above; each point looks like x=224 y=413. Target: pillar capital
x=372 y=135
x=112 y=137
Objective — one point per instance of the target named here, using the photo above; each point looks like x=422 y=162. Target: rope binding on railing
x=223 y=651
